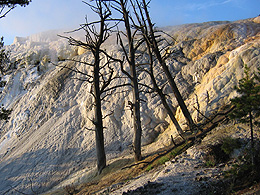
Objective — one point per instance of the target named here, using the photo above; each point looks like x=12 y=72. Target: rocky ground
x=183 y=175
x=187 y=173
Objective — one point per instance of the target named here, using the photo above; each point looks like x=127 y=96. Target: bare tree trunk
x=101 y=156
x=99 y=79
x=134 y=81
x=252 y=139
x=166 y=70
x=137 y=123
x=144 y=29
x=159 y=90
x=167 y=107
x=145 y=38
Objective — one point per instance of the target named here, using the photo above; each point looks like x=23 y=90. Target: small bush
x=243 y=174
x=210 y=163
x=229 y=145
x=221 y=152
x=216 y=155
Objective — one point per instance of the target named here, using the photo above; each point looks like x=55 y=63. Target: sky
x=44 y=15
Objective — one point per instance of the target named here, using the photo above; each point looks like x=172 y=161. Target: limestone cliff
x=46 y=139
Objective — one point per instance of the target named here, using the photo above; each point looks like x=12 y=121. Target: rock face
x=46 y=139
x=257 y=19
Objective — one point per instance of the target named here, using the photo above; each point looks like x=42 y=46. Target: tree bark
x=169 y=111
x=166 y=70
x=135 y=89
x=252 y=138
x=101 y=156
x=160 y=93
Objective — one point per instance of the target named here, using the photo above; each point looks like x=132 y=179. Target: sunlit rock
x=50 y=133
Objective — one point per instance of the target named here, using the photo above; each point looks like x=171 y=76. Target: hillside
x=46 y=145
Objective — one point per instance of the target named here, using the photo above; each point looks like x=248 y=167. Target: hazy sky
x=42 y=15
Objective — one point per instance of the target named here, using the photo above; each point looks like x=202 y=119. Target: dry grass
x=124 y=170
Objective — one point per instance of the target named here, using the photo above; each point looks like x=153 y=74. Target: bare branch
x=2 y=16
x=107 y=83
x=117 y=86
x=92 y=120
x=118 y=92
x=112 y=112
x=73 y=70
x=90 y=129
x=78 y=61
x=123 y=47
x=144 y=85
x=83 y=80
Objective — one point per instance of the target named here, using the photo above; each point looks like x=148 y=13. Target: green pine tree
x=4 y=66
x=5 y=7
x=247 y=105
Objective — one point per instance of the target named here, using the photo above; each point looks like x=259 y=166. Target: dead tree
x=99 y=77
x=156 y=51
x=130 y=54
x=141 y=26
x=159 y=90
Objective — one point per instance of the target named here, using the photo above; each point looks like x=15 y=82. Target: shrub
x=210 y=163
x=230 y=144
x=221 y=152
